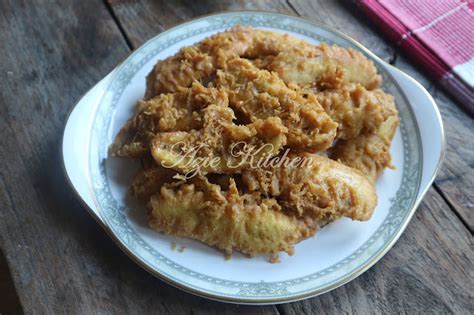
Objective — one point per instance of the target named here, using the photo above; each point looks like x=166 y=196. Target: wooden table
x=55 y=258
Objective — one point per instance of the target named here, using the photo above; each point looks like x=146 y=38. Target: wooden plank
x=48 y=239
x=456 y=178
x=61 y=261
x=142 y=20
x=428 y=271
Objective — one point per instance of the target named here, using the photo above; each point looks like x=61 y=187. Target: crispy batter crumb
x=274 y=259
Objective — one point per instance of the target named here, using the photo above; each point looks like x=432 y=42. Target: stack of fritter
x=287 y=100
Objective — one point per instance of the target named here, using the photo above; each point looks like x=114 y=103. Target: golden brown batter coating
x=320 y=189
x=259 y=94
x=200 y=61
x=325 y=66
x=180 y=111
x=219 y=146
x=295 y=61
x=227 y=220
x=148 y=182
x=370 y=152
x=355 y=109
x=275 y=209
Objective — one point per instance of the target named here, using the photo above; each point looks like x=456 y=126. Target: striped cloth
x=437 y=34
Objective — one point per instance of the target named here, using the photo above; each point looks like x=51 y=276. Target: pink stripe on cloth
x=437 y=35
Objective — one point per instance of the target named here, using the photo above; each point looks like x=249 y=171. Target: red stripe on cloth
x=388 y=23
x=419 y=54
x=446 y=26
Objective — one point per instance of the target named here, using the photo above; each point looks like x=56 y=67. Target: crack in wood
x=453 y=208
x=288 y=2
x=119 y=25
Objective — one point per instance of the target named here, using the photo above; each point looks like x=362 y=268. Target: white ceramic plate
x=337 y=254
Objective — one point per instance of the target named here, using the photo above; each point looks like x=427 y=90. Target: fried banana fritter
x=259 y=94
x=254 y=219
x=325 y=66
x=180 y=111
x=318 y=188
x=200 y=61
x=228 y=219
x=295 y=61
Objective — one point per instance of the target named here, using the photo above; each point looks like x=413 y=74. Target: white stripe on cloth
x=434 y=22
x=466 y=72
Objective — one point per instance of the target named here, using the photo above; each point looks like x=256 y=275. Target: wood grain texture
x=61 y=261
x=142 y=20
x=334 y=14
